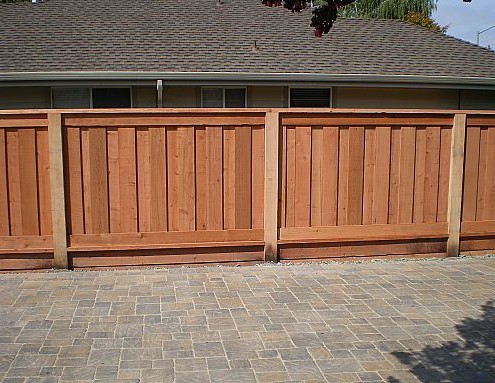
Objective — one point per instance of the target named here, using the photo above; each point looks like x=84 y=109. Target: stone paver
x=428 y=321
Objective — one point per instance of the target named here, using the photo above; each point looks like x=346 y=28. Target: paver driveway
x=388 y=321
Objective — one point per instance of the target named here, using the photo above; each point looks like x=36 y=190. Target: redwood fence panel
x=478 y=209
x=25 y=208
x=352 y=179
x=167 y=187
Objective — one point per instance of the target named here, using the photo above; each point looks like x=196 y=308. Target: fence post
x=271 y=185
x=57 y=190
x=456 y=183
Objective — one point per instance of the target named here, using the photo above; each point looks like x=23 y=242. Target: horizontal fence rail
x=102 y=188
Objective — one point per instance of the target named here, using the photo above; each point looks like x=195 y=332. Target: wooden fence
x=94 y=188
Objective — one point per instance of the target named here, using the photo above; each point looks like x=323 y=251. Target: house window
x=71 y=98
x=111 y=97
x=78 y=98
x=310 y=98
x=214 y=97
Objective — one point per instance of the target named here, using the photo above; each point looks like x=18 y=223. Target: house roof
x=186 y=38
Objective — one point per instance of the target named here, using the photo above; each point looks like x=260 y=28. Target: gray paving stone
x=368 y=322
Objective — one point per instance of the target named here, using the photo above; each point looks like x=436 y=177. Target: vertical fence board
x=86 y=175
x=127 y=175
x=14 y=182
x=159 y=179
x=382 y=175
x=490 y=177
x=393 y=210
x=214 y=148
x=482 y=175
x=243 y=177
x=257 y=177
x=99 y=180
x=471 y=174
x=330 y=175
x=28 y=181
x=74 y=182
x=291 y=177
x=43 y=170
x=343 y=176
x=443 y=176
x=114 y=181
x=303 y=176
x=186 y=186
x=406 y=174
x=355 y=176
x=316 y=176
x=4 y=200
x=202 y=161
x=431 y=173
x=143 y=178
x=283 y=178
x=369 y=175
x=229 y=178
x=419 y=176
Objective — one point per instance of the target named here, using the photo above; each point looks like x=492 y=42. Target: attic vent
x=310 y=97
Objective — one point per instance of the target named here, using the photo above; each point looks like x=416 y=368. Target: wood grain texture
x=419 y=176
x=258 y=176
x=431 y=173
x=342 y=202
x=229 y=178
x=99 y=181
x=28 y=178
x=369 y=175
x=350 y=233
x=316 y=176
x=243 y=190
x=482 y=175
x=382 y=175
x=127 y=180
x=43 y=187
x=270 y=232
x=444 y=174
x=4 y=191
x=330 y=175
x=159 y=179
x=490 y=177
x=303 y=177
x=406 y=174
x=393 y=209
x=74 y=181
x=15 y=213
x=355 y=176
x=455 y=186
x=471 y=168
x=290 y=206
x=143 y=159
x=57 y=190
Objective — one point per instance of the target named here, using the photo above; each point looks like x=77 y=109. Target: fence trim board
x=360 y=233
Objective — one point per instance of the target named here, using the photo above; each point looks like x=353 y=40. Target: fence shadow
x=470 y=360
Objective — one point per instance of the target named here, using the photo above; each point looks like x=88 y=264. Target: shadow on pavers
x=472 y=360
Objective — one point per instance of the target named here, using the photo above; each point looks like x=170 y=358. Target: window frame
x=330 y=88
x=223 y=94
x=91 y=92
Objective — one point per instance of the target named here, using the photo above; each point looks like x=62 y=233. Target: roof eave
x=249 y=77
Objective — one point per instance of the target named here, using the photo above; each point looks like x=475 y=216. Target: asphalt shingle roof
x=201 y=36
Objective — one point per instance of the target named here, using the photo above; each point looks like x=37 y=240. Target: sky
x=465 y=19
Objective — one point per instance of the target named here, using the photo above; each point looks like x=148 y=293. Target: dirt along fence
x=105 y=188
